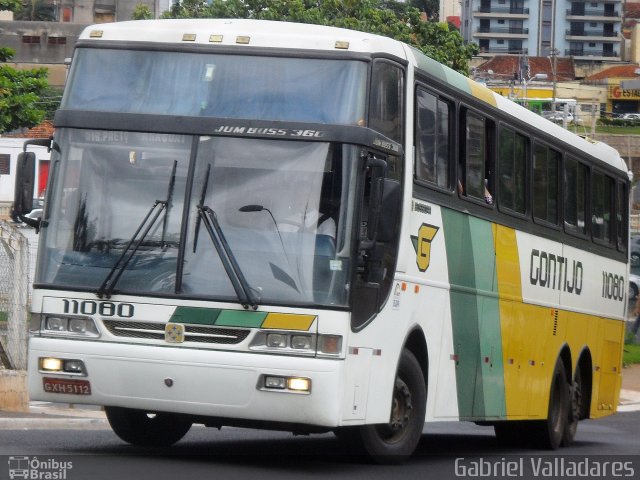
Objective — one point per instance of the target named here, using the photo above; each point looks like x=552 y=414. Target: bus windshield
x=283 y=207
x=226 y=86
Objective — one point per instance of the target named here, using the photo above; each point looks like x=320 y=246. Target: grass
x=631 y=352
x=615 y=130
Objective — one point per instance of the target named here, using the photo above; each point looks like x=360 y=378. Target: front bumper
x=197 y=382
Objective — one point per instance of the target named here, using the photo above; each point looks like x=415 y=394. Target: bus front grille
x=193 y=333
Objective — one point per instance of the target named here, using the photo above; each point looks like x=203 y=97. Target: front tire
x=148 y=429
x=394 y=442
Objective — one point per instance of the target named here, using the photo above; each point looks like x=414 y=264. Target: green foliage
x=631 y=354
x=20 y=92
x=430 y=7
x=383 y=17
x=142 y=12
x=6 y=54
x=49 y=101
x=11 y=5
x=36 y=10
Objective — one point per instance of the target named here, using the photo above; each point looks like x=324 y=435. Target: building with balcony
x=589 y=31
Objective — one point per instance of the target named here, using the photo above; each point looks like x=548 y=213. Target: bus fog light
x=51 y=364
x=330 y=344
x=299 y=384
x=74 y=366
x=301 y=342
x=276 y=340
x=279 y=383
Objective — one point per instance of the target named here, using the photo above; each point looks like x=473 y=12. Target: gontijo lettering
x=556 y=272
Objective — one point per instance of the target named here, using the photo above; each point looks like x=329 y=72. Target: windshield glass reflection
x=281 y=206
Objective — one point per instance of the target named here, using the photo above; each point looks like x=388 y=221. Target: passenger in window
x=488 y=198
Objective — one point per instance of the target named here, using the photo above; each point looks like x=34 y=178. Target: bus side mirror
x=390 y=211
x=25 y=181
x=378 y=168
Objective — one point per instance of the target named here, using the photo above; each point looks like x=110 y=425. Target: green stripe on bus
x=195 y=315
x=441 y=72
x=475 y=315
x=241 y=318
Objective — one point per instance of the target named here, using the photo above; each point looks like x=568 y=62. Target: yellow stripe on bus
x=532 y=337
x=523 y=326
x=288 y=321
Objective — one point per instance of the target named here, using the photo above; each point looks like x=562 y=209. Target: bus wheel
x=394 y=442
x=575 y=408
x=148 y=429
x=550 y=432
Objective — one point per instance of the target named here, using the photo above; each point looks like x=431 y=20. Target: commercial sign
x=616 y=92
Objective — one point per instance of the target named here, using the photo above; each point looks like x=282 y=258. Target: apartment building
x=586 y=31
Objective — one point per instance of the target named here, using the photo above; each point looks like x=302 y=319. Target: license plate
x=69 y=387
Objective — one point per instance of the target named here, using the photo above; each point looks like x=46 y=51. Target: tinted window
x=385 y=108
x=475 y=171
x=512 y=168
x=602 y=201
x=433 y=147
x=622 y=200
x=575 y=196
x=545 y=184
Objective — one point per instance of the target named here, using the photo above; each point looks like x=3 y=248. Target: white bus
x=313 y=229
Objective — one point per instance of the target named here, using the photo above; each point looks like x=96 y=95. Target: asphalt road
x=446 y=451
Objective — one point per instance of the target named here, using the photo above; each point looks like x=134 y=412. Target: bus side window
x=433 y=139
x=546 y=162
x=622 y=201
x=602 y=206
x=512 y=170
x=575 y=196
x=386 y=105
x=475 y=178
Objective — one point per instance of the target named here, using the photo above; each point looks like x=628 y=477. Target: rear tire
x=148 y=429
x=393 y=443
x=575 y=408
x=549 y=433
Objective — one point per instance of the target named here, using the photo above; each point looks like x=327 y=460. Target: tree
x=383 y=17
x=430 y=7
x=20 y=92
x=142 y=12
x=11 y=5
x=36 y=10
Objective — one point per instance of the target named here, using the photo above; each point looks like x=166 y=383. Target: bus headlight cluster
x=297 y=343
x=62 y=365
x=77 y=326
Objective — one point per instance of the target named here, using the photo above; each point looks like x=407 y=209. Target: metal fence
x=15 y=281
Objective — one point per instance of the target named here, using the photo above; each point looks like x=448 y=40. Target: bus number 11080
x=105 y=309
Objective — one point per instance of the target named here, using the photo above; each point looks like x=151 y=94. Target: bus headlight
x=76 y=326
x=297 y=343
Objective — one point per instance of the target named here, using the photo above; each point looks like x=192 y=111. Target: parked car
x=560 y=116
x=634 y=250
x=630 y=116
x=634 y=285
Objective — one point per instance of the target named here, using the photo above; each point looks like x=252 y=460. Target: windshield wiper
x=110 y=281
x=238 y=281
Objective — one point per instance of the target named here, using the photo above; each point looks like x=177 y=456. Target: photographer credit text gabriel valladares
x=554 y=467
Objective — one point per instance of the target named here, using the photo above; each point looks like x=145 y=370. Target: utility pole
x=554 y=69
